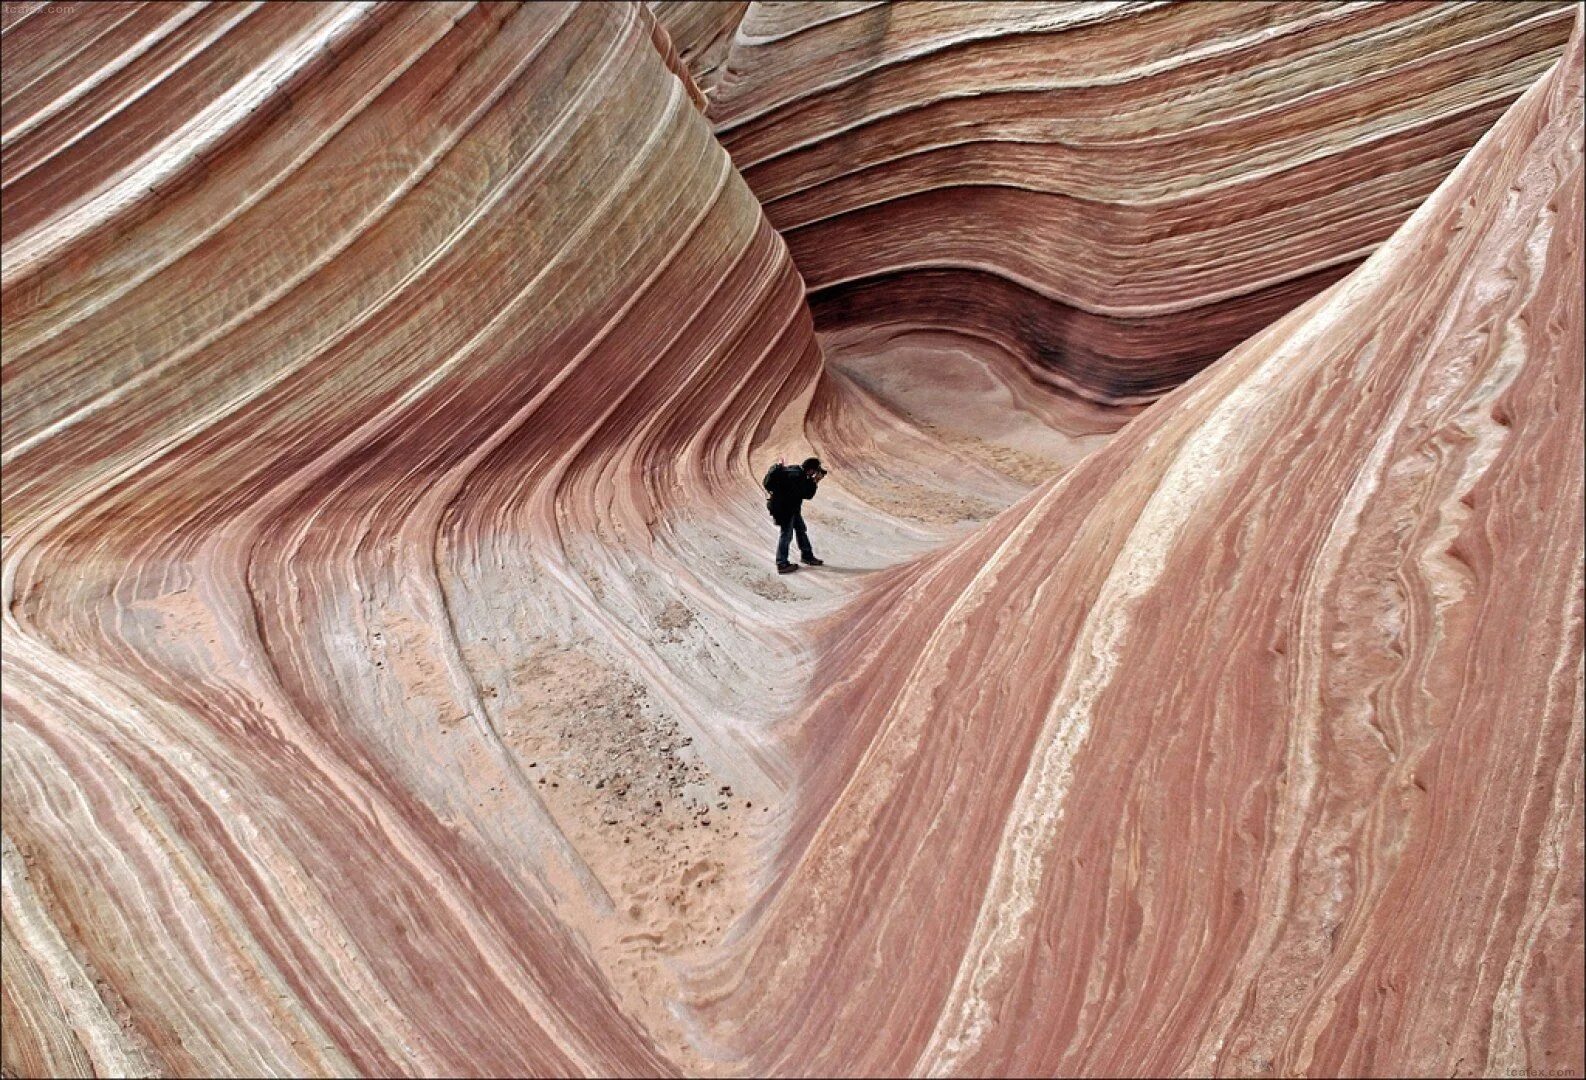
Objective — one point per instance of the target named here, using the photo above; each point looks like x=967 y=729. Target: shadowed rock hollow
x=1116 y=194
x=394 y=681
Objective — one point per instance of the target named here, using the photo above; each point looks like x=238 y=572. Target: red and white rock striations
x=702 y=32
x=351 y=353
x=1117 y=193
x=1272 y=759
x=393 y=681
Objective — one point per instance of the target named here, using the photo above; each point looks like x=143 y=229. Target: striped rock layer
x=1271 y=763
x=325 y=327
x=393 y=678
x=702 y=32
x=1115 y=193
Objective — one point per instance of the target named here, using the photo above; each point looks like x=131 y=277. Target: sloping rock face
x=325 y=328
x=394 y=677
x=1116 y=193
x=1273 y=759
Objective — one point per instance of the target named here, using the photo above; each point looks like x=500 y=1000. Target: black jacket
x=789 y=487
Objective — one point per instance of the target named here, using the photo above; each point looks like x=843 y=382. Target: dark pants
x=793 y=526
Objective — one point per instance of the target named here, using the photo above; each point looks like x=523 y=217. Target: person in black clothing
x=789 y=486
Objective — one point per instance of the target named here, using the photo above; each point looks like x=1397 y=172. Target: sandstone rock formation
x=393 y=683
x=350 y=354
x=702 y=32
x=1117 y=193
x=1272 y=763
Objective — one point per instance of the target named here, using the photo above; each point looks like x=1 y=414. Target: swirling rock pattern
x=1117 y=193
x=393 y=683
x=326 y=329
x=1273 y=764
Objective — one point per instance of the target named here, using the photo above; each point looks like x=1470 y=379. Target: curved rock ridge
x=1118 y=193
x=394 y=677
x=702 y=31
x=354 y=357
x=1271 y=763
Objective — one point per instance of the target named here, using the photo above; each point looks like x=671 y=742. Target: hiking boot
x=810 y=560
x=785 y=568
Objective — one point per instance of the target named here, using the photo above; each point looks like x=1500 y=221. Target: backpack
x=773 y=478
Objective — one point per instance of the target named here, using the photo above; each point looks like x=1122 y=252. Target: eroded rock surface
x=342 y=396
x=1272 y=759
x=394 y=677
x=1115 y=193
x=702 y=32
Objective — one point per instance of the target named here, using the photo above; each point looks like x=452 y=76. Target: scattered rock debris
x=627 y=786
x=611 y=766
x=673 y=619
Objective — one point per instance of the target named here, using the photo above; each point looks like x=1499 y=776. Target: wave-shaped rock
x=1116 y=193
x=328 y=329
x=394 y=677
x=1272 y=759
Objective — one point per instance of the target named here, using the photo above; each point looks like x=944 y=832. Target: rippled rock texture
x=345 y=348
x=1272 y=760
x=394 y=678
x=702 y=32
x=1116 y=193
